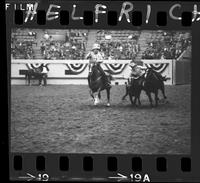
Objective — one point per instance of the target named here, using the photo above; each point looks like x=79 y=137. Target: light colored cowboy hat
x=96 y=46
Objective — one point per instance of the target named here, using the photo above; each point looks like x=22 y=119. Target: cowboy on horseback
x=139 y=71
x=96 y=57
x=138 y=76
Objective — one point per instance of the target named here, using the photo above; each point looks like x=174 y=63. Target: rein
x=154 y=75
x=96 y=79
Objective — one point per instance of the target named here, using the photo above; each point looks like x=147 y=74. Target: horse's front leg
x=108 y=96
x=91 y=94
x=96 y=98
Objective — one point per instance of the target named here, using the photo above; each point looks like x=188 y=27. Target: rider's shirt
x=94 y=58
x=128 y=73
x=138 y=71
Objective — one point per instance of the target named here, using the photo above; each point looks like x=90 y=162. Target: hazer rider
x=96 y=57
x=138 y=71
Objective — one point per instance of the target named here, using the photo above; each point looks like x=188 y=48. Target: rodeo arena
x=100 y=91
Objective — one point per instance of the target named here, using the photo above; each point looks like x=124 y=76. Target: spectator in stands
x=42 y=48
x=46 y=35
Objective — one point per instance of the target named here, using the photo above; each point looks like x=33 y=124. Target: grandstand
x=118 y=44
x=167 y=45
x=73 y=44
x=49 y=44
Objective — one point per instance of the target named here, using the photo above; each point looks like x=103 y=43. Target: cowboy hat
x=96 y=46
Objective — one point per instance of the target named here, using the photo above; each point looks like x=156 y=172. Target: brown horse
x=98 y=81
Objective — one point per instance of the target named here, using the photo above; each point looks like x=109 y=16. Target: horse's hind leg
x=139 y=102
x=131 y=99
x=26 y=79
x=123 y=98
x=29 y=80
x=138 y=97
x=150 y=99
x=108 y=96
x=99 y=95
x=163 y=91
x=156 y=98
x=135 y=100
x=45 y=79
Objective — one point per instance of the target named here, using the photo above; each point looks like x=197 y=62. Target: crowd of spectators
x=118 y=44
x=22 y=44
x=23 y=50
x=114 y=45
x=167 y=45
x=71 y=48
x=119 y=50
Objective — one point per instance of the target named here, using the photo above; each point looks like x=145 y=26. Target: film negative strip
x=141 y=56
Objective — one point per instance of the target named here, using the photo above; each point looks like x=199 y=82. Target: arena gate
x=76 y=71
x=182 y=68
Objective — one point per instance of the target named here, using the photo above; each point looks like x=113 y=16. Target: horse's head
x=151 y=75
x=95 y=70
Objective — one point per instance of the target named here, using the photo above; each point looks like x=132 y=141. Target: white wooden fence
x=76 y=71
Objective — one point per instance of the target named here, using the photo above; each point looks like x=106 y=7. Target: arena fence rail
x=76 y=71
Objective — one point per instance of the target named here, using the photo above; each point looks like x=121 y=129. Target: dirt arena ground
x=62 y=119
